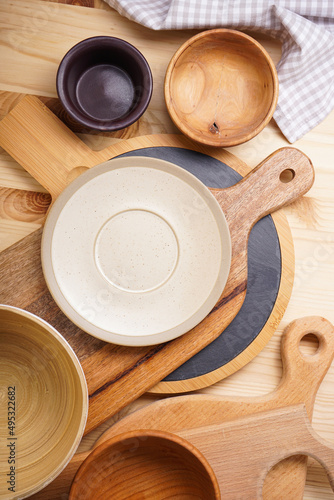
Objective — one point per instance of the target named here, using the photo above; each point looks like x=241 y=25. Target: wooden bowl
x=221 y=88
x=154 y=465
x=44 y=403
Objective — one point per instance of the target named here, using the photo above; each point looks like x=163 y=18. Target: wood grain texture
x=302 y=376
x=47 y=402
x=31 y=67
x=97 y=4
x=81 y=3
x=233 y=90
x=30 y=122
x=25 y=206
x=20 y=212
x=271 y=436
x=145 y=464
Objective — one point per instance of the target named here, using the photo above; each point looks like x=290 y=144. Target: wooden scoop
x=300 y=381
x=44 y=146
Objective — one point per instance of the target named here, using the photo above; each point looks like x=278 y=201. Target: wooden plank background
x=34 y=35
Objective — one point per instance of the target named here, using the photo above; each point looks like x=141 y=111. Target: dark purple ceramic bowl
x=104 y=83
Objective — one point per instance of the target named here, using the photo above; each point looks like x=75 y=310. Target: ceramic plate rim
x=55 y=290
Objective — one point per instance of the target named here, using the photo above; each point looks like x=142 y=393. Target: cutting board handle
x=303 y=374
x=299 y=438
x=281 y=178
x=54 y=156
x=254 y=444
x=44 y=146
x=324 y=454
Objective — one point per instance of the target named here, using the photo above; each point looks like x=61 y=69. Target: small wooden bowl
x=44 y=403
x=148 y=464
x=221 y=88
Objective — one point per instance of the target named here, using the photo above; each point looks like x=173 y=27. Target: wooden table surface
x=34 y=36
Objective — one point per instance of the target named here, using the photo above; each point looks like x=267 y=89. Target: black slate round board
x=264 y=268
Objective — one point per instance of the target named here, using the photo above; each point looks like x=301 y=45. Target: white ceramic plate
x=136 y=251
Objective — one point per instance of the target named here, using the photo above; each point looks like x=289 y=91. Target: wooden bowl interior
x=49 y=404
x=221 y=89
x=147 y=465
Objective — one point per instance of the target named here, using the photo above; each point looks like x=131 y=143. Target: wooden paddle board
x=49 y=151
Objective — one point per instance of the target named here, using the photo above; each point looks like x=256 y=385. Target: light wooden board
x=57 y=157
x=25 y=205
x=299 y=384
x=271 y=436
x=31 y=68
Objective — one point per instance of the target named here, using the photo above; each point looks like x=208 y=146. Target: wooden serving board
x=270 y=269
x=55 y=156
x=302 y=375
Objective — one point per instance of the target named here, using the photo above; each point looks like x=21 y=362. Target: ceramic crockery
x=104 y=83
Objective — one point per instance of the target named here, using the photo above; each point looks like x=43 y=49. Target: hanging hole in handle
x=287 y=175
x=309 y=344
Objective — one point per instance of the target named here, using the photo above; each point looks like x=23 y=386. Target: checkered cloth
x=305 y=28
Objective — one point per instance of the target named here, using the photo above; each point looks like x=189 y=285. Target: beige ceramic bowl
x=43 y=403
x=221 y=88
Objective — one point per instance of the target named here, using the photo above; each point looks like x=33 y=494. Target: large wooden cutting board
x=110 y=389
x=270 y=269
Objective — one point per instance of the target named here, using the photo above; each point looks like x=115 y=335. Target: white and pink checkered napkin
x=305 y=28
